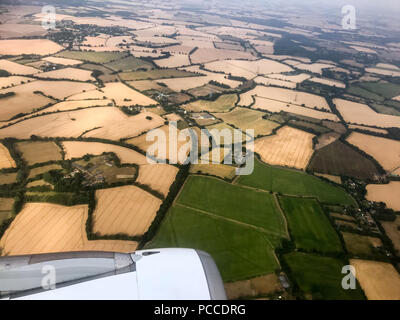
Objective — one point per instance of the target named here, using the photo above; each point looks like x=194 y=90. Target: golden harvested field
x=34 y=46
x=276 y=82
x=158 y=177
x=68 y=73
x=39 y=151
x=16 y=68
x=110 y=121
x=387 y=193
x=6 y=161
x=75 y=104
x=8 y=178
x=125 y=96
x=17 y=30
x=379 y=280
x=6 y=204
x=328 y=82
x=57 y=89
x=213 y=76
x=285 y=95
x=392 y=231
x=384 y=72
x=359 y=113
x=77 y=149
x=289 y=147
x=127 y=210
x=39 y=183
x=295 y=78
x=95 y=94
x=314 y=67
x=143 y=85
x=46 y=228
x=221 y=104
x=217 y=155
x=203 y=55
x=176 y=60
x=62 y=61
x=21 y=102
x=6 y=82
x=275 y=106
x=248 y=69
x=220 y=170
x=39 y=170
x=221 y=126
x=355 y=126
x=244 y=118
x=385 y=151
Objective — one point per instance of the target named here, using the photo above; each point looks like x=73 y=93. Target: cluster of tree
x=7 y=94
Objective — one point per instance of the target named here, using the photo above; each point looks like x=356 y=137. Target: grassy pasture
x=89 y=56
x=129 y=64
x=320 y=277
x=39 y=151
x=361 y=245
x=385 y=89
x=155 y=74
x=309 y=226
x=340 y=159
x=40 y=170
x=224 y=200
x=222 y=104
x=292 y=182
x=239 y=252
x=363 y=93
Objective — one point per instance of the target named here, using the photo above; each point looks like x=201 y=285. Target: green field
x=385 y=109
x=239 y=252
x=320 y=277
x=129 y=64
x=309 y=227
x=363 y=93
x=223 y=103
x=222 y=199
x=156 y=74
x=385 y=89
x=90 y=56
x=292 y=182
x=361 y=245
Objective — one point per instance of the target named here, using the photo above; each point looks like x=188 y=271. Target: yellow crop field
x=68 y=73
x=385 y=151
x=158 y=177
x=46 y=228
x=10 y=81
x=33 y=46
x=125 y=96
x=359 y=113
x=62 y=61
x=77 y=149
x=379 y=280
x=127 y=210
x=289 y=147
x=175 y=60
x=387 y=193
x=16 y=68
x=219 y=170
x=6 y=161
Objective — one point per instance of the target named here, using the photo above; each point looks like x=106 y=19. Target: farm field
x=320 y=277
x=340 y=159
x=275 y=82
x=126 y=96
x=275 y=106
x=68 y=73
x=158 y=177
x=239 y=252
x=289 y=147
x=174 y=61
x=39 y=151
x=280 y=180
x=98 y=122
x=77 y=149
x=285 y=95
x=223 y=103
x=220 y=170
x=8 y=178
x=355 y=126
x=62 y=61
x=361 y=245
x=124 y=210
x=244 y=118
x=129 y=64
x=330 y=177
x=328 y=82
x=385 y=151
x=6 y=82
x=6 y=161
x=46 y=228
x=16 y=68
x=379 y=280
x=387 y=193
x=358 y=113
x=155 y=74
x=298 y=78
x=32 y=46
x=95 y=57
x=226 y=201
x=309 y=226
x=204 y=55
